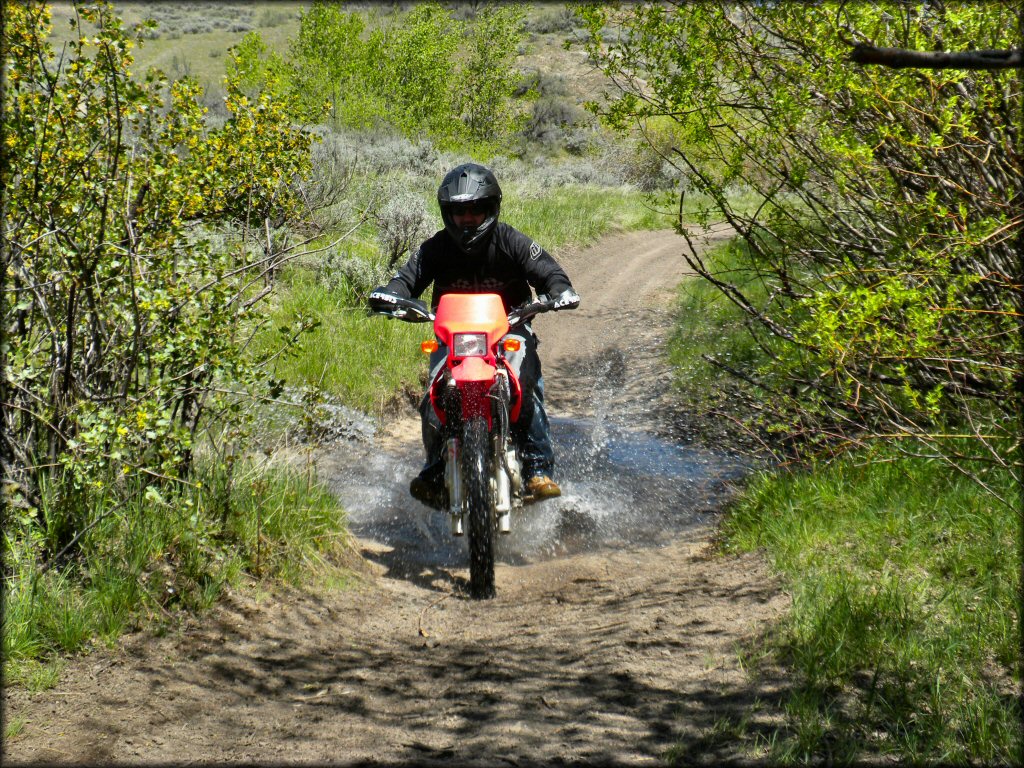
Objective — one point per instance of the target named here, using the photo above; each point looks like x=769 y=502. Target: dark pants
x=531 y=433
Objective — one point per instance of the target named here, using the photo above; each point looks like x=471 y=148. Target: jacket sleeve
x=543 y=273
x=414 y=277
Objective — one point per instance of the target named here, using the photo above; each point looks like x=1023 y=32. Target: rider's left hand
x=568 y=299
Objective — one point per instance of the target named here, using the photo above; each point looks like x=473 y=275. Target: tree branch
x=900 y=58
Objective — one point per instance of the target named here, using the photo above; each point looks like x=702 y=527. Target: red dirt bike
x=477 y=398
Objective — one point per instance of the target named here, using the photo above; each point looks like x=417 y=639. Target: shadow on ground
x=509 y=697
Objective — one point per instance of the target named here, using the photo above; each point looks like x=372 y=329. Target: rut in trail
x=614 y=635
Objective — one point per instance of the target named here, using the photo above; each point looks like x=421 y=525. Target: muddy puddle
x=621 y=488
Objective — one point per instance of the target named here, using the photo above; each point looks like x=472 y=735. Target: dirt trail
x=611 y=655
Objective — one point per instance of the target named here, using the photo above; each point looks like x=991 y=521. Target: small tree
x=421 y=71
x=488 y=77
x=413 y=66
x=329 y=62
x=127 y=310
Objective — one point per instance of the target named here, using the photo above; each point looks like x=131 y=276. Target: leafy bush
x=123 y=321
x=884 y=247
x=409 y=73
x=715 y=357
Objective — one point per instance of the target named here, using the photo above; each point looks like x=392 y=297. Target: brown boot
x=542 y=487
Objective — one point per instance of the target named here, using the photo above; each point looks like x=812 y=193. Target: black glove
x=380 y=300
x=568 y=299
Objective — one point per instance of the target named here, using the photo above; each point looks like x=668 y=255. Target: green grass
x=34 y=675
x=903 y=637
x=364 y=360
x=578 y=214
x=144 y=560
x=709 y=325
x=14 y=728
x=707 y=322
x=202 y=55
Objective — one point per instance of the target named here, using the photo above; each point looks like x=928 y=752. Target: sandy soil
x=612 y=655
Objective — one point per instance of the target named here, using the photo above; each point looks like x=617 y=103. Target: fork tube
x=453 y=479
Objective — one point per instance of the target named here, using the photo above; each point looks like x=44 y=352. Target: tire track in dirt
x=609 y=656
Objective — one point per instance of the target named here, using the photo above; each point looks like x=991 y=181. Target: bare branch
x=900 y=58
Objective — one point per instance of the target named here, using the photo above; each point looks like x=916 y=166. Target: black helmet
x=469 y=183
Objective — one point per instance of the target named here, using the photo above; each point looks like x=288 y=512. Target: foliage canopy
x=883 y=246
x=421 y=71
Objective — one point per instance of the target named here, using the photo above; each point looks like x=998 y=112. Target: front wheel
x=476 y=482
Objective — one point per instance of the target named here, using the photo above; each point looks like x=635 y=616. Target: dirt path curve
x=606 y=656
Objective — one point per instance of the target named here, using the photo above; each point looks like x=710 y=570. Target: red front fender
x=473 y=369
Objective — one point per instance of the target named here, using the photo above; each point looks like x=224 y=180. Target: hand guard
x=568 y=299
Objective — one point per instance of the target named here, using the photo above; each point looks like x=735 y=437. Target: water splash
x=620 y=488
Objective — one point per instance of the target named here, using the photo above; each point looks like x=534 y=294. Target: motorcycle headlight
x=470 y=345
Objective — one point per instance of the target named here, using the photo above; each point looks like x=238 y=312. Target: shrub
x=884 y=246
x=551 y=119
x=342 y=269
x=154 y=318
x=547 y=20
x=273 y=17
x=198 y=28
x=402 y=223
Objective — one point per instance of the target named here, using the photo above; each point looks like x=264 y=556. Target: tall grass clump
x=365 y=361
x=904 y=630
x=162 y=551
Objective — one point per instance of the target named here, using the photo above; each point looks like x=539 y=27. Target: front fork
x=453 y=480
x=506 y=476
x=508 y=479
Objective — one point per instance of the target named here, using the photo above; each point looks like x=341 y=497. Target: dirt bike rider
x=475 y=253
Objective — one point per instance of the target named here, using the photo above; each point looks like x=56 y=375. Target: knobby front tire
x=476 y=479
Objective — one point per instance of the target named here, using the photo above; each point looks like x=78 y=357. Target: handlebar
x=416 y=311
x=527 y=312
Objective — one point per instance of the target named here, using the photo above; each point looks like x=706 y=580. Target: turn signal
x=512 y=345
x=429 y=346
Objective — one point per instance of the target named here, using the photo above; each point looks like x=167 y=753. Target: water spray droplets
x=620 y=488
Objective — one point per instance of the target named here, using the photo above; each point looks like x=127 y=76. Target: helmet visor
x=471 y=208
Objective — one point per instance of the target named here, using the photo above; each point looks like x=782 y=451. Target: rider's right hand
x=380 y=300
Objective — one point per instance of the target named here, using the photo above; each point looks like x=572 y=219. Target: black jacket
x=509 y=266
